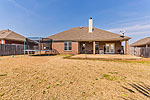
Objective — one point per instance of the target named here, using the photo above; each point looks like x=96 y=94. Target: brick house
x=89 y=40
x=145 y=42
x=10 y=37
x=141 y=47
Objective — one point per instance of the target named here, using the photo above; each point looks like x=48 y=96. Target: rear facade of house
x=89 y=40
x=86 y=47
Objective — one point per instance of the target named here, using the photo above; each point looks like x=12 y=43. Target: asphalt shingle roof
x=141 y=42
x=11 y=35
x=82 y=34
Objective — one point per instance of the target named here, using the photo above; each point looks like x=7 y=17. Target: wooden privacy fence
x=140 y=51
x=9 y=49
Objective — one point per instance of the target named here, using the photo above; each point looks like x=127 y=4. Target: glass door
x=83 y=48
x=110 y=48
x=97 y=48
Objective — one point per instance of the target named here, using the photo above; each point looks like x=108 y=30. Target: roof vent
x=8 y=30
x=123 y=31
x=81 y=27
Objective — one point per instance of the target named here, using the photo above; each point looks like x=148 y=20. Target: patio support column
x=94 y=47
x=146 y=46
x=126 y=47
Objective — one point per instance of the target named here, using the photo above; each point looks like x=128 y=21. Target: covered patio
x=104 y=47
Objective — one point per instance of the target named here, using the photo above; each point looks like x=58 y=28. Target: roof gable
x=10 y=35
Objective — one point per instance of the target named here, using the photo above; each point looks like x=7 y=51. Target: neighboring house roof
x=141 y=42
x=10 y=35
x=82 y=34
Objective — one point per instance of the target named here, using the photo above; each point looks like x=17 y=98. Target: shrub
x=109 y=77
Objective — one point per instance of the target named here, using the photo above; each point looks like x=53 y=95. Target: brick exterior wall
x=76 y=47
x=11 y=42
x=59 y=47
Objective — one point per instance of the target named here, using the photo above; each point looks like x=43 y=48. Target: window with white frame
x=67 y=46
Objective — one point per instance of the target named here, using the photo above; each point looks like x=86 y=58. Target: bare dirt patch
x=106 y=57
x=55 y=78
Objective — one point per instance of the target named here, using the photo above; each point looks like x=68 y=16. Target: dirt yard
x=55 y=78
x=107 y=56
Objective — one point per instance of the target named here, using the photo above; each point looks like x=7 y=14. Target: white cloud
x=131 y=21
x=26 y=10
x=138 y=33
x=135 y=29
x=16 y=4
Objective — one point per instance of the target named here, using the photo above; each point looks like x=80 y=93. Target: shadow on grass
x=43 y=55
x=139 y=87
x=127 y=98
x=67 y=56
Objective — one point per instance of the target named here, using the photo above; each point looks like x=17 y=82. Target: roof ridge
x=77 y=32
x=148 y=40
x=96 y=28
x=15 y=33
x=8 y=31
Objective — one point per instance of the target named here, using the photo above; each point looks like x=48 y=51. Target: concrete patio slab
x=106 y=56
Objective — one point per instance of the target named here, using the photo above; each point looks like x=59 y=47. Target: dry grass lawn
x=55 y=78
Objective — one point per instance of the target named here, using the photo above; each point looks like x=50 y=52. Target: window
x=67 y=46
x=2 y=41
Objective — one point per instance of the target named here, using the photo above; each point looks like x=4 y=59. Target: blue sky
x=47 y=17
